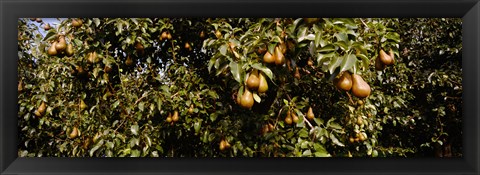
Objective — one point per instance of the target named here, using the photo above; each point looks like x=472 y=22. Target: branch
x=350 y=98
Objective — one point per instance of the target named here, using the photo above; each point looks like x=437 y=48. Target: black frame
x=11 y=10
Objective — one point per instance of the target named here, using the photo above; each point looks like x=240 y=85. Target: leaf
x=223 y=49
x=141 y=106
x=334 y=63
x=235 y=69
x=96 y=147
x=348 y=62
x=96 y=21
x=134 y=129
x=327 y=48
x=256 y=97
x=213 y=116
x=264 y=69
x=335 y=140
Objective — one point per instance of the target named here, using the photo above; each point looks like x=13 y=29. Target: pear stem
x=350 y=98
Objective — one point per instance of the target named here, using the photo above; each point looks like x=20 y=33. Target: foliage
x=147 y=71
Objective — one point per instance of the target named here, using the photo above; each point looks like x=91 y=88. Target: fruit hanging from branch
x=360 y=88
x=344 y=82
x=253 y=81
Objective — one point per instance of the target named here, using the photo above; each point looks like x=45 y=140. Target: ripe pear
x=62 y=44
x=169 y=36
x=92 y=57
x=268 y=58
x=42 y=108
x=283 y=47
x=246 y=99
x=47 y=27
x=139 y=48
x=360 y=88
x=69 y=51
x=379 y=65
x=222 y=145
x=297 y=73
x=218 y=34
x=175 y=116
x=188 y=47
x=351 y=139
x=202 y=34
x=279 y=57
x=129 y=61
x=310 y=62
x=164 y=35
x=288 y=118
x=271 y=127
x=77 y=22
x=74 y=132
x=386 y=59
x=294 y=117
x=20 y=86
x=190 y=110
x=82 y=105
x=263 y=85
x=310 y=114
x=390 y=52
x=360 y=103
x=253 y=81
x=344 y=82
x=52 y=51
x=107 y=68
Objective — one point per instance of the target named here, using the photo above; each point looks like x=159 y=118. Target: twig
x=350 y=98
x=309 y=124
x=173 y=51
x=364 y=23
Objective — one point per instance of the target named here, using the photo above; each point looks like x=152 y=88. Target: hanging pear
x=279 y=57
x=294 y=117
x=360 y=88
x=253 y=81
x=62 y=44
x=263 y=85
x=379 y=65
x=297 y=73
x=283 y=47
x=92 y=57
x=82 y=105
x=164 y=35
x=310 y=114
x=41 y=109
x=47 y=27
x=310 y=62
x=129 y=61
x=139 y=48
x=386 y=59
x=288 y=118
x=246 y=99
x=74 y=132
x=268 y=58
x=169 y=118
x=344 y=82
x=77 y=22
x=175 y=116
x=52 y=51
x=69 y=51
x=20 y=86
x=191 y=109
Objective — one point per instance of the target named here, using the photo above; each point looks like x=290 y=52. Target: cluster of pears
x=93 y=58
x=165 y=36
x=41 y=109
x=61 y=47
x=383 y=60
x=267 y=128
x=255 y=82
x=354 y=82
x=77 y=22
x=172 y=118
x=358 y=138
x=224 y=145
x=291 y=118
x=277 y=57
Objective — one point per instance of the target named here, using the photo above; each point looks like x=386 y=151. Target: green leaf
x=96 y=147
x=141 y=106
x=335 y=140
x=134 y=129
x=334 y=63
x=96 y=21
x=223 y=49
x=213 y=116
x=256 y=97
x=264 y=69
x=348 y=62
x=327 y=48
x=235 y=69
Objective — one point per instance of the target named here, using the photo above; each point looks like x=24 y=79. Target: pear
x=262 y=50
x=271 y=127
x=344 y=82
x=310 y=114
x=379 y=65
x=288 y=118
x=77 y=22
x=188 y=47
x=268 y=58
x=169 y=118
x=283 y=47
x=218 y=34
x=351 y=139
x=297 y=73
x=253 y=81
x=246 y=99
x=52 y=51
x=386 y=59
x=263 y=85
x=190 y=110
x=294 y=117
x=92 y=57
x=202 y=34
x=169 y=36
x=62 y=44
x=222 y=145
x=107 y=68
x=82 y=105
x=47 y=26
x=175 y=116
x=390 y=52
x=20 y=86
x=279 y=57
x=359 y=120
x=129 y=61
x=139 y=48
x=164 y=35
x=69 y=51
x=310 y=62
x=42 y=108
x=360 y=88
x=74 y=132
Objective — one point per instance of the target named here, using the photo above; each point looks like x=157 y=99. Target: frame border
x=11 y=10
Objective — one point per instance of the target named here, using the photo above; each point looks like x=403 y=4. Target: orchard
x=240 y=87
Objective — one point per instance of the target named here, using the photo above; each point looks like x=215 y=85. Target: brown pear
x=169 y=118
x=92 y=57
x=344 y=82
x=52 y=51
x=41 y=109
x=129 y=61
x=386 y=59
x=218 y=34
x=268 y=58
x=310 y=62
x=288 y=118
x=222 y=145
x=169 y=36
x=69 y=51
x=379 y=65
x=82 y=105
x=107 y=68
x=77 y=22
x=164 y=35
x=47 y=26
x=297 y=73
x=74 y=132
x=253 y=81
x=294 y=117
x=191 y=109
x=392 y=55
x=360 y=88
x=202 y=34
x=310 y=114
x=283 y=47
x=20 y=86
x=263 y=85
x=246 y=99
x=175 y=116
x=262 y=50
x=62 y=44
x=279 y=57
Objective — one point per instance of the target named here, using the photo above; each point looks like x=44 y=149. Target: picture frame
x=10 y=11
